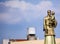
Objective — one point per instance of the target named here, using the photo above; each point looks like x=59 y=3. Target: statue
x=49 y=24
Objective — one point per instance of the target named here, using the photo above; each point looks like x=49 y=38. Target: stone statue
x=49 y=24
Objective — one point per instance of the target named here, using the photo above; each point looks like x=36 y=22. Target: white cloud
x=10 y=19
x=24 y=5
x=26 y=11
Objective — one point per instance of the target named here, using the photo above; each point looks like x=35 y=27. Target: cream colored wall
x=34 y=42
x=29 y=42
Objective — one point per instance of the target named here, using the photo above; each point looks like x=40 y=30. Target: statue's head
x=53 y=13
x=49 y=12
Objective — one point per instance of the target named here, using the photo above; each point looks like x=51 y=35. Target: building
x=5 y=41
x=31 y=34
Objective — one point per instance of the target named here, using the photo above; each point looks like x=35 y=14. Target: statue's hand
x=43 y=29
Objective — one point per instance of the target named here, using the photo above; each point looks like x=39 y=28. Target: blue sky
x=17 y=15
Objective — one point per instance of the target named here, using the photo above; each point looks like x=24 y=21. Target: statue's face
x=49 y=12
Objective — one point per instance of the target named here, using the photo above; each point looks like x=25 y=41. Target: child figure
x=53 y=18
x=52 y=15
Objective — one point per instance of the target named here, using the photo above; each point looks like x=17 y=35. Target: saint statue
x=49 y=24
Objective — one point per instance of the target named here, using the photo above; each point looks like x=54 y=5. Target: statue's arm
x=55 y=23
x=44 y=25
